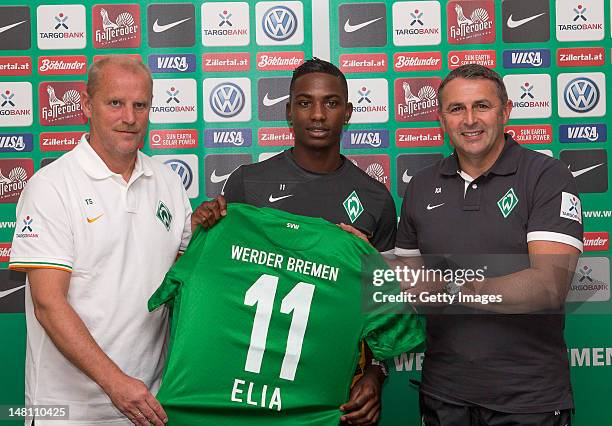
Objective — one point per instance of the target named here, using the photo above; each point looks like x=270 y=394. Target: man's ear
x=288 y=112
x=349 y=112
x=86 y=104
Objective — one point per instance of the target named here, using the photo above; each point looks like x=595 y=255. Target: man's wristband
x=382 y=365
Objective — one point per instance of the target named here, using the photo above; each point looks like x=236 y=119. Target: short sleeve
x=386 y=229
x=555 y=212
x=179 y=273
x=406 y=243
x=186 y=236
x=233 y=189
x=44 y=237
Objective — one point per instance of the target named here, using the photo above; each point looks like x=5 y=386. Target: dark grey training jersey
x=346 y=195
x=508 y=363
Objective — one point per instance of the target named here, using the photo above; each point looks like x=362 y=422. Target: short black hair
x=318 y=65
x=475 y=71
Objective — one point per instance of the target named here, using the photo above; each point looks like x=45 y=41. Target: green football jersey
x=266 y=319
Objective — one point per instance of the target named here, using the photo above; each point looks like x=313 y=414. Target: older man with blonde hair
x=105 y=224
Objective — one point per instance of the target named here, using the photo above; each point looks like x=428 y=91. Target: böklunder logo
x=596 y=241
x=417 y=61
x=62 y=65
x=279 y=61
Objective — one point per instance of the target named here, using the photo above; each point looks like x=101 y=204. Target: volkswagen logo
x=227 y=99
x=581 y=94
x=279 y=23
x=183 y=170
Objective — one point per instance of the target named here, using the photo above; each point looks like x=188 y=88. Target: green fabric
x=206 y=379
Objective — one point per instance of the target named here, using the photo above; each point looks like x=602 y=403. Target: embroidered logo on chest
x=164 y=215
x=353 y=206
x=507 y=203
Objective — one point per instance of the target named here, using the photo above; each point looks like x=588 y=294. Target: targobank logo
x=61 y=27
x=416 y=23
x=577 y=133
x=530 y=95
x=16 y=142
x=369 y=97
x=365 y=139
x=174 y=101
x=280 y=24
x=15 y=104
x=532 y=58
x=172 y=63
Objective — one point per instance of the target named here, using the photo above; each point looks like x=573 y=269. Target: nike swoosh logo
x=10 y=291
x=93 y=219
x=430 y=207
x=270 y=102
x=515 y=24
x=8 y=27
x=275 y=199
x=161 y=28
x=214 y=178
x=352 y=28
x=405 y=177
x=585 y=170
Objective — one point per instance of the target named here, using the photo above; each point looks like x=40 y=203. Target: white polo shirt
x=117 y=239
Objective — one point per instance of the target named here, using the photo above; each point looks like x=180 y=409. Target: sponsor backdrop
x=221 y=77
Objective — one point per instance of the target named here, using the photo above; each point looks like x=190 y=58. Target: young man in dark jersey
x=314 y=179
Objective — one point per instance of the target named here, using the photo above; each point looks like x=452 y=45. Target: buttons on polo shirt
x=474 y=186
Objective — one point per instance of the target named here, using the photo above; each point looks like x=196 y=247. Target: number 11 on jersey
x=262 y=293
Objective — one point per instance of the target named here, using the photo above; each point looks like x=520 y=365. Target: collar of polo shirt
x=95 y=167
x=506 y=164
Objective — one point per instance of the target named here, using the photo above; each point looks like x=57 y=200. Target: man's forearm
x=72 y=338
